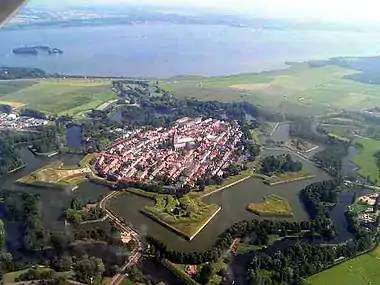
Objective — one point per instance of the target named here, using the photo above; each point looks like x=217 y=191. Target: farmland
x=300 y=89
x=57 y=96
x=365 y=160
x=358 y=271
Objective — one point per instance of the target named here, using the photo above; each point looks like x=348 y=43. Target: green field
x=58 y=96
x=362 y=270
x=300 y=89
x=184 y=216
x=343 y=131
x=273 y=205
x=365 y=159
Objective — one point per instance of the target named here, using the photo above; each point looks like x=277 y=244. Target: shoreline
x=16 y=169
x=289 y=180
x=224 y=187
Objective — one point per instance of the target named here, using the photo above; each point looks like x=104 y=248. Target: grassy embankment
x=298 y=90
x=365 y=160
x=273 y=205
x=186 y=216
x=61 y=97
x=288 y=177
x=361 y=270
x=60 y=176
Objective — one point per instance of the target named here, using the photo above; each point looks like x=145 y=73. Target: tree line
x=280 y=164
x=7 y=73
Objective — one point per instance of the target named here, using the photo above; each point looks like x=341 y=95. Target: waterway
x=54 y=201
x=160 y=50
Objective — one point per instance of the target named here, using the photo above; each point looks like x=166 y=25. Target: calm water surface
x=54 y=201
x=164 y=49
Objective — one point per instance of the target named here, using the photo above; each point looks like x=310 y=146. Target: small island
x=37 y=50
x=282 y=169
x=273 y=205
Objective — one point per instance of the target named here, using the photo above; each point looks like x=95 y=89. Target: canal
x=233 y=201
x=54 y=201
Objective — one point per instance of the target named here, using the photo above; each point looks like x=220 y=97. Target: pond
x=74 y=136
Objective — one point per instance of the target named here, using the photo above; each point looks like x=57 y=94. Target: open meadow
x=59 y=96
x=300 y=89
x=362 y=270
x=365 y=159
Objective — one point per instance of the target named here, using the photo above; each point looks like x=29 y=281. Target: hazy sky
x=342 y=10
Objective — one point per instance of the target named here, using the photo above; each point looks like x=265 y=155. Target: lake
x=161 y=50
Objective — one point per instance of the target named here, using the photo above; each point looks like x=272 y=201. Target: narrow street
x=136 y=253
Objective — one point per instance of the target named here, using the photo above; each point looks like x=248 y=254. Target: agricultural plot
x=273 y=205
x=366 y=161
x=300 y=89
x=362 y=270
x=58 y=96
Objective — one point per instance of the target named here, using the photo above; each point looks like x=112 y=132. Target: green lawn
x=300 y=89
x=273 y=205
x=362 y=270
x=58 y=96
x=365 y=159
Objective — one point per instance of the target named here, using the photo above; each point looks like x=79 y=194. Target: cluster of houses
x=178 y=154
x=14 y=121
x=369 y=216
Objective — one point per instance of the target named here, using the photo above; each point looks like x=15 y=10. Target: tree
x=204 y=274
x=89 y=270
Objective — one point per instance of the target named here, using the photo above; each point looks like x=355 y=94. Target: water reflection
x=74 y=136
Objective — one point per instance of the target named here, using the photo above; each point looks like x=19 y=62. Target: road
x=136 y=253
